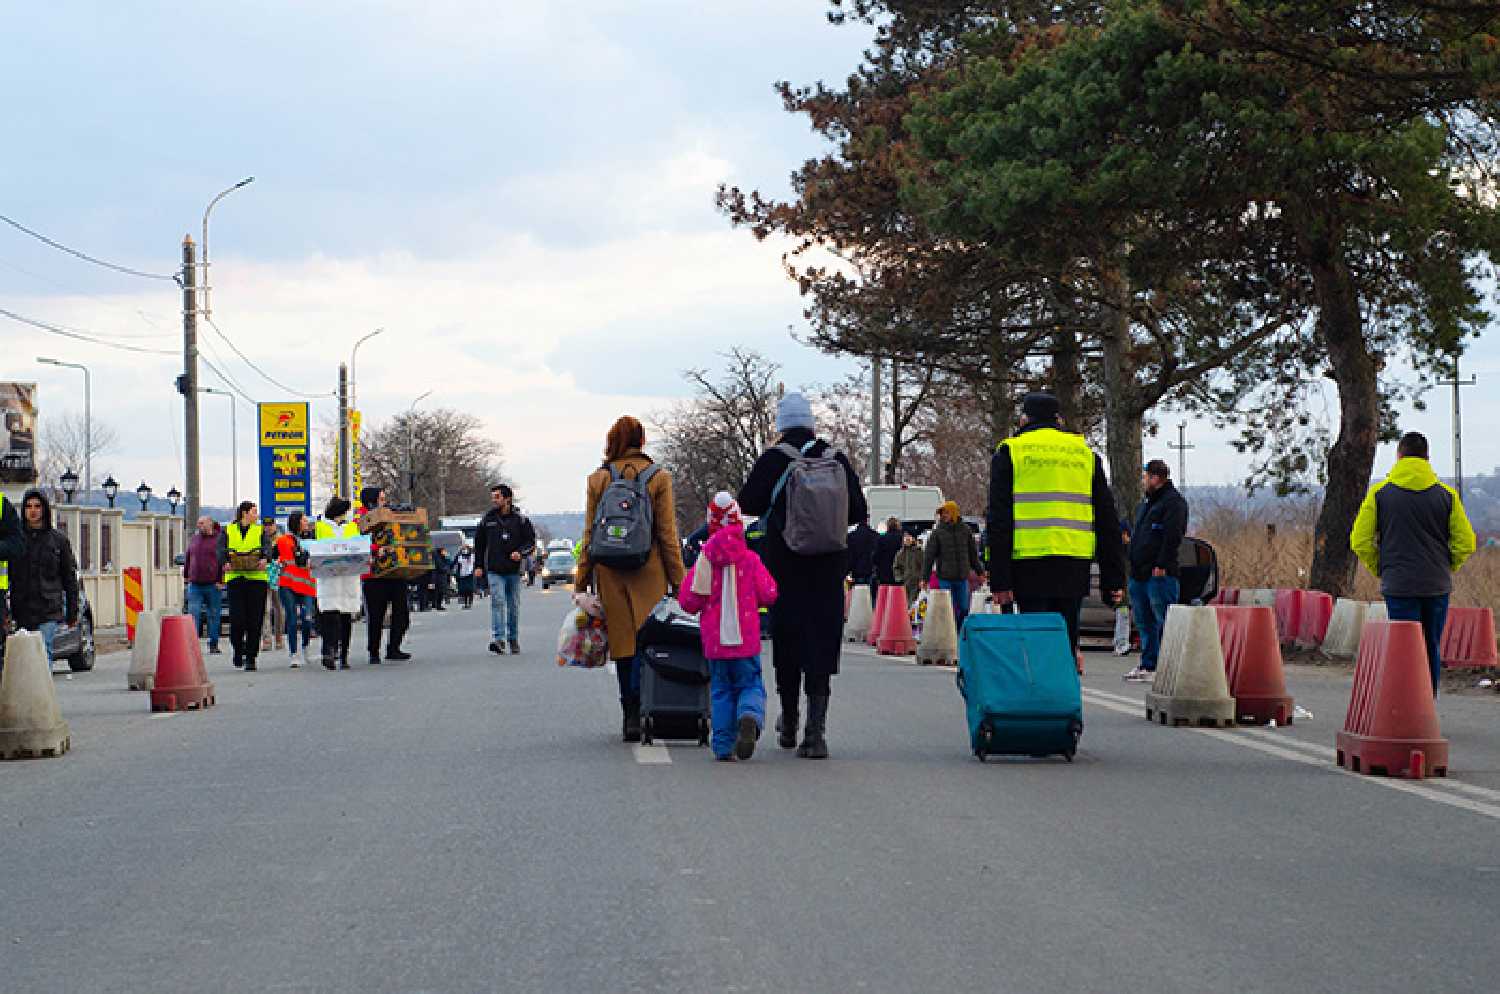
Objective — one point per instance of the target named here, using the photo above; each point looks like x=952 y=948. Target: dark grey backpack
x=624 y=527
x=817 y=502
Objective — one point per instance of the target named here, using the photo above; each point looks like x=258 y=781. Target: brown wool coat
x=629 y=595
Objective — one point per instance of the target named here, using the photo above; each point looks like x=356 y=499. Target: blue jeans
x=1432 y=612
x=48 y=631
x=293 y=606
x=206 y=599
x=1149 y=600
x=960 y=591
x=735 y=689
x=505 y=606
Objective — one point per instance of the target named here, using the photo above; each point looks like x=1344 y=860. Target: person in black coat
x=44 y=579
x=12 y=547
x=886 y=551
x=807 y=626
x=862 y=542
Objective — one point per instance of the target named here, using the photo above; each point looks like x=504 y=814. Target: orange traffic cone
x=1252 y=660
x=896 y=638
x=878 y=618
x=1392 y=724
x=181 y=678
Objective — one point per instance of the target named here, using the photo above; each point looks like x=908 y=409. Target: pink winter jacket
x=753 y=582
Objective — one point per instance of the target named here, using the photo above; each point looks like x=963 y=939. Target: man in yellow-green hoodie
x=1412 y=532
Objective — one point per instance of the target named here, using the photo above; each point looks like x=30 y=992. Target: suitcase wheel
x=648 y=727
x=979 y=754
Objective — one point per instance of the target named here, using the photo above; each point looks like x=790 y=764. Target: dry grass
x=1257 y=552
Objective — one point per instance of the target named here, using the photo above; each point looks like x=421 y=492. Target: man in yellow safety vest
x=12 y=546
x=1051 y=514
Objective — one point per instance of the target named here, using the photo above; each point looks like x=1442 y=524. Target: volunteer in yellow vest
x=12 y=546
x=338 y=596
x=247 y=551
x=1051 y=514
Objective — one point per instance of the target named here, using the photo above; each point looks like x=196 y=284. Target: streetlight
x=111 y=488
x=234 y=440
x=353 y=358
x=207 y=310
x=88 y=418
x=69 y=481
x=173 y=496
x=143 y=494
x=411 y=468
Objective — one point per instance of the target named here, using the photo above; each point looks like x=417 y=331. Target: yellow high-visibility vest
x=4 y=564
x=244 y=540
x=331 y=529
x=1053 y=494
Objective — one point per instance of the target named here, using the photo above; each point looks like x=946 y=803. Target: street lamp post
x=111 y=488
x=173 y=497
x=411 y=467
x=143 y=494
x=203 y=245
x=346 y=405
x=234 y=440
x=69 y=481
x=88 y=417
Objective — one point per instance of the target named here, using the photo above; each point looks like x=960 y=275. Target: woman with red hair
x=630 y=594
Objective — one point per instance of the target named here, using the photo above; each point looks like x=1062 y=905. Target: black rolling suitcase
x=674 y=677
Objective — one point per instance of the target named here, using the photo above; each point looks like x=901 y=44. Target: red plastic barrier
x=1228 y=596
x=181 y=678
x=878 y=618
x=1317 y=612
x=1469 y=637
x=1392 y=724
x=1288 y=614
x=896 y=637
x=1252 y=661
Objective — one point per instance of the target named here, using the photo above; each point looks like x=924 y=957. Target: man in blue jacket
x=1412 y=532
x=1155 y=543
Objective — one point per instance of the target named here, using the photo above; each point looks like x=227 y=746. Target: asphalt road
x=468 y=822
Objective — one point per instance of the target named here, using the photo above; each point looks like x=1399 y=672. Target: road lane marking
x=653 y=755
x=1323 y=761
x=163 y=714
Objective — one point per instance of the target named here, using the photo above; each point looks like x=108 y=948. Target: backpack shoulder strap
x=645 y=475
x=791 y=451
x=810 y=443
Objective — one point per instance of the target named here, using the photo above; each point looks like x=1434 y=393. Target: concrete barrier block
x=1191 y=687
x=861 y=613
x=939 y=643
x=142 y=673
x=31 y=723
x=1341 y=641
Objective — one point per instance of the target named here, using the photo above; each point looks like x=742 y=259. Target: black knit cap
x=1040 y=406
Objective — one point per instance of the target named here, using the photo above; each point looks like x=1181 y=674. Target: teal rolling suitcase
x=1018 y=678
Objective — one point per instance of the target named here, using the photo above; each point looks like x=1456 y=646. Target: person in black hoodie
x=862 y=542
x=11 y=547
x=44 y=578
x=503 y=540
x=1155 y=541
x=886 y=551
x=807 y=627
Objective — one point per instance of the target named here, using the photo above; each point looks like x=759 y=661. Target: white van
x=910 y=504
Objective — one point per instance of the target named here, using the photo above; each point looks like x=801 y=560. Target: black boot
x=814 y=746
x=631 y=729
x=786 y=723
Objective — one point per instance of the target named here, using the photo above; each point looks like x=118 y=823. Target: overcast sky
x=521 y=194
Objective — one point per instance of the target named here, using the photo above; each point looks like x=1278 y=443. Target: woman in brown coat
x=630 y=595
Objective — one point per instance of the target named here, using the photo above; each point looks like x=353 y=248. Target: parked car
x=76 y=644
x=559 y=568
x=1199 y=581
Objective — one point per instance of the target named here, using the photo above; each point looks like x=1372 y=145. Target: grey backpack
x=817 y=502
x=624 y=529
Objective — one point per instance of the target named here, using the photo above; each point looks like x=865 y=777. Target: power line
x=263 y=374
x=81 y=336
x=159 y=334
x=228 y=382
x=84 y=256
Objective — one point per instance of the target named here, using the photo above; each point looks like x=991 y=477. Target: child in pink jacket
x=728 y=586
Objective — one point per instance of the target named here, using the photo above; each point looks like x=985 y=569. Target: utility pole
x=1182 y=448
x=1458 y=383
x=187 y=384
x=873 y=470
x=343 y=468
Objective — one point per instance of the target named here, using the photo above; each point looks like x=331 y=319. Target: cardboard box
x=400 y=543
